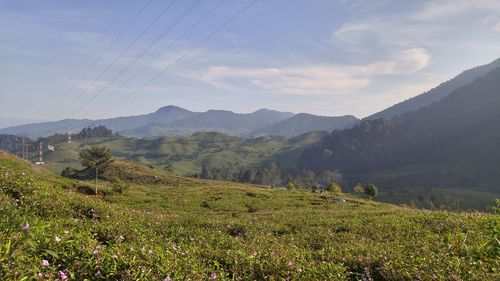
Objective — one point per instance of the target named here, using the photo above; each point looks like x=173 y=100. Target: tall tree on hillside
x=371 y=190
x=96 y=158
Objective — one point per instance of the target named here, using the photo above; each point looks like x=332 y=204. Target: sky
x=105 y=58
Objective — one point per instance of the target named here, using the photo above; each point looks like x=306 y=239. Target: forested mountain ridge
x=436 y=94
x=303 y=123
x=452 y=143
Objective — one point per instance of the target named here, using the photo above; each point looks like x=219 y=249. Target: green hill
x=186 y=155
x=224 y=231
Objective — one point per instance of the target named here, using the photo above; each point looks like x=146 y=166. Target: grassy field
x=165 y=227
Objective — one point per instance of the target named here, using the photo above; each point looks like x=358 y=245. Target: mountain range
x=175 y=121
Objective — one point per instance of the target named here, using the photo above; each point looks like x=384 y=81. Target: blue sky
x=318 y=56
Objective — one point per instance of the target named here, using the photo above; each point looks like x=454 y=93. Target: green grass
x=189 y=229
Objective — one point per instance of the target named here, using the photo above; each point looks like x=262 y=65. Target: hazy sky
x=97 y=58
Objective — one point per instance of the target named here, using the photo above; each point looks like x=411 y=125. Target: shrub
x=118 y=186
x=358 y=188
x=335 y=188
x=290 y=186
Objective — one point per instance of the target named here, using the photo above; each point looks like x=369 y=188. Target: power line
x=205 y=39
x=122 y=54
x=167 y=27
x=113 y=42
x=141 y=54
x=203 y=17
x=84 y=73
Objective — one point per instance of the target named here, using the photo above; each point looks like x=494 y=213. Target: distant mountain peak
x=170 y=108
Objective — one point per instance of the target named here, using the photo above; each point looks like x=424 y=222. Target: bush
x=290 y=186
x=118 y=186
x=335 y=188
x=358 y=188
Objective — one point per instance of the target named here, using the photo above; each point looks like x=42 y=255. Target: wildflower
x=45 y=262
x=66 y=232
x=64 y=276
x=95 y=252
x=98 y=246
x=167 y=279
x=40 y=275
x=97 y=273
x=57 y=239
x=143 y=249
x=115 y=256
x=121 y=239
x=150 y=252
x=26 y=226
x=290 y=263
x=213 y=276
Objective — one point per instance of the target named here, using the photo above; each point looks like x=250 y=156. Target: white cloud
x=496 y=27
x=444 y=9
x=89 y=86
x=317 y=79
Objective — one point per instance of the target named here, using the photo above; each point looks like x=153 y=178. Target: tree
x=205 y=172
x=290 y=186
x=371 y=190
x=96 y=158
x=335 y=188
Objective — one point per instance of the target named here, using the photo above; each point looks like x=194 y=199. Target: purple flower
x=26 y=226
x=98 y=246
x=95 y=252
x=40 y=275
x=97 y=273
x=213 y=276
x=167 y=279
x=45 y=262
x=121 y=238
x=64 y=276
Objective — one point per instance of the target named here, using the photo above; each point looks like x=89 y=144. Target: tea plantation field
x=164 y=227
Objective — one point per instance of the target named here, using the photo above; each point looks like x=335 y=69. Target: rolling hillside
x=185 y=155
x=202 y=230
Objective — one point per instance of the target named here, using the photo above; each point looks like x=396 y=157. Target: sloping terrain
x=436 y=94
x=226 y=231
x=186 y=155
x=454 y=143
x=303 y=123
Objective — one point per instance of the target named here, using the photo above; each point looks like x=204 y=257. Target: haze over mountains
x=173 y=120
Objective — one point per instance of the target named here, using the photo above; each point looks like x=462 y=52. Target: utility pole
x=96 y=170
x=40 y=160
x=25 y=149
x=69 y=135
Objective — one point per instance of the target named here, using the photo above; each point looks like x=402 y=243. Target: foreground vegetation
x=173 y=228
